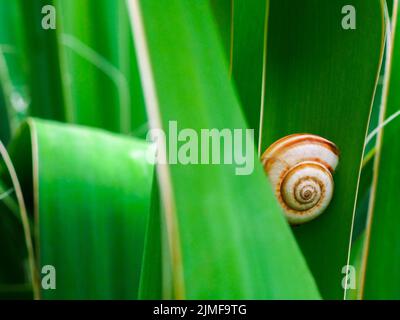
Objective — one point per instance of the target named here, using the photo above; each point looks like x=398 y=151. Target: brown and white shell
x=300 y=168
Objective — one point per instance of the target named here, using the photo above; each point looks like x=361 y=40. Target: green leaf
x=71 y=75
x=5 y=129
x=223 y=12
x=18 y=268
x=103 y=84
x=223 y=235
x=249 y=57
x=45 y=78
x=320 y=79
x=13 y=91
x=13 y=252
x=363 y=197
x=151 y=278
x=356 y=263
x=89 y=192
x=246 y=51
x=381 y=260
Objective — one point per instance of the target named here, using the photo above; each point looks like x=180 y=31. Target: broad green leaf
x=381 y=275
x=320 y=79
x=89 y=192
x=223 y=235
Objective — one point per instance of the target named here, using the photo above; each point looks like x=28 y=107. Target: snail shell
x=300 y=168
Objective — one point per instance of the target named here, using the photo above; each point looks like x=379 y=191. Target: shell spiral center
x=305 y=185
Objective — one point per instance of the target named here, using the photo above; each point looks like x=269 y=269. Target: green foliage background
x=77 y=191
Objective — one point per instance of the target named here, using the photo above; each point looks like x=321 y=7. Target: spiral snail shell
x=300 y=168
